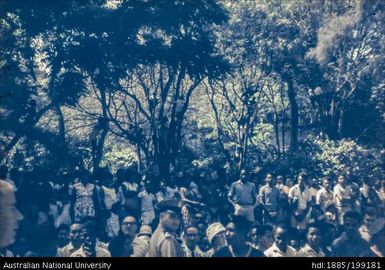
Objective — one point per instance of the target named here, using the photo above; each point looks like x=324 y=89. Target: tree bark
x=294 y=119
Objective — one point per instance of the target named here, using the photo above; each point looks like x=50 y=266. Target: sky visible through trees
x=184 y=87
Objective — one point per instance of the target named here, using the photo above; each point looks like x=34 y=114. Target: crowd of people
x=129 y=215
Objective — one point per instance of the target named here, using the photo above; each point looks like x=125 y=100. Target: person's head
x=63 y=235
x=302 y=179
x=370 y=217
x=341 y=180
x=243 y=175
x=216 y=234
x=9 y=215
x=191 y=236
x=170 y=220
x=129 y=226
x=280 y=180
x=289 y=182
x=237 y=229
x=352 y=221
x=313 y=235
x=281 y=236
x=75 y=235
x=88 y=234
x=269 y=179
x=325 y=183
x=230 y=232
x=253 y=235
x=170 y=215
x=265 y=234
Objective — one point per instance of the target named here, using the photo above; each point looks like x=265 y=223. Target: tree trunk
x=26 y=127
x=276 y=131
x=63 y=149
x=100 y=143
x=283 y=133
x=333 y=121
x=294 y=119
x=341 y=121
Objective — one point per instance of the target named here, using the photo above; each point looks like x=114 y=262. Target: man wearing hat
x=141 y=242
x=164 y=242
x=216 y=234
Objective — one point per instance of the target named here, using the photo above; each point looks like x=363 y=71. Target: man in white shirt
x=147 y=206
x=324 y=195
x=342 y=198
x=89 y=248
x=280 y=248
x=190 y=243
x=299 y=199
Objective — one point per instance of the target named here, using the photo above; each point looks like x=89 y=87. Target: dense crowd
x=129 y=215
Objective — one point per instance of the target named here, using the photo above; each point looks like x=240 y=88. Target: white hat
x=213 y=230
x=145 y=229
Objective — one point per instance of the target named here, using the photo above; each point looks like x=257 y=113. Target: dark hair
x=189 y=227
x=283 y=226
x=303 y=174
x=63 y=227
x=316 y=225
x=353 y=215
x=261 y=230
x=90 y=226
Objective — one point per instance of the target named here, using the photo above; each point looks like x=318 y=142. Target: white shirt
x=323 y=196
x=303 y=197
x=147 y=201
x=341 y=192
x=274 y=251
x=99 y=252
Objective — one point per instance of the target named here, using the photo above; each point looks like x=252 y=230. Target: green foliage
x=195 y=84
x=116 y=157
x=346 y=157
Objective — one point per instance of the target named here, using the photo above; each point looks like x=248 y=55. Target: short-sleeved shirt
x=324 y=196
x=242 y=193
x=270 y=197
x=164 y=244
x=99 y=252
x=147 y=201
x=307 y=251
x=342 y=192
x=66 y=251
x=303 y=197
x=140 y=246
x=274 y=251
